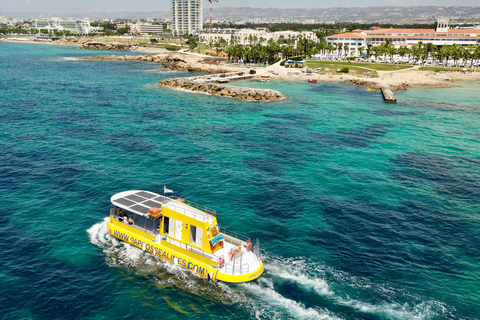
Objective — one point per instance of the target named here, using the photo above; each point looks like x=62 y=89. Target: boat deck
x=243 y=262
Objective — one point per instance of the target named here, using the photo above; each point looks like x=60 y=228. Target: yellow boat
x=184 y=234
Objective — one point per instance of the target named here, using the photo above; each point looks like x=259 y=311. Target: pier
x=388 y=95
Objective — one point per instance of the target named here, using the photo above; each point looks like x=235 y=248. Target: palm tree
x=430 y=48
x=402 y=51
x=360 y=50
x=339 y=47
x=369 y=49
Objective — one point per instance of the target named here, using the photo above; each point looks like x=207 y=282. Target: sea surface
x=363 y=210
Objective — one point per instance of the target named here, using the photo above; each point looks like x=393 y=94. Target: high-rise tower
x=187 y=16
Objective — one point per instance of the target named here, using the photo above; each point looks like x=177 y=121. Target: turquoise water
x=364 y=210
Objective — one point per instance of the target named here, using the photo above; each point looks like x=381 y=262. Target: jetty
x=217 y=89
x=388 y=94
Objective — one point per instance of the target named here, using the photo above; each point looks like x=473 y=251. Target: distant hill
x=359 y=14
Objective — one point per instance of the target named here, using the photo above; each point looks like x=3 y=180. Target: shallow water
x=364 y=210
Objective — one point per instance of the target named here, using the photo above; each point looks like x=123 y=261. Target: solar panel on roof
x=152 y=204
x=135 y=198
x=146 y=195
x=161 y=199
x=139 y=208
x=125 y=202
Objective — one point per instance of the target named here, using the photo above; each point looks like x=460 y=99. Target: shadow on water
x=129 y=142
x=393 y=113
x=416 y=168
x=19 y=167
x=72 y=117
x=267 y=166
x=279 y=200
x=360 y=138
x=443 y=106
x=60 y=291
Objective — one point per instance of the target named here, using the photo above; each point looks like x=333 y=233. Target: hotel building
x=440 y=36
x=187 y=16
x=77 y=26
x=253 y=36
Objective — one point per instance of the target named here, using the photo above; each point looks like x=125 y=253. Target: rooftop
x=140 y=202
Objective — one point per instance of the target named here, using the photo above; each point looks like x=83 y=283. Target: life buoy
x=221 y=262
x=249 y=244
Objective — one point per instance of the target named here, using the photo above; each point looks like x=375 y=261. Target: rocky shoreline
x=172 y=61
x=376 y=86
x=114 y=46
x=215 y=89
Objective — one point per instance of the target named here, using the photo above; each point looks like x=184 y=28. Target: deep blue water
x=364 y=210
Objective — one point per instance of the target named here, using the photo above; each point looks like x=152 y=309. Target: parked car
x=253 y=71
x=240 y=73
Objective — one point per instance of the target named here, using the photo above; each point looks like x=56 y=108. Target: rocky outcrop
x=376 y=86
x=107 y=46
x=215 y=89
x=173 y=61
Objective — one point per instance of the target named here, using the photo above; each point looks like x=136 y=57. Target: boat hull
x=148 y=243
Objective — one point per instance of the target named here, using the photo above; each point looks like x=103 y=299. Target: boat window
x=193 y=234
x=149 y=224
x=139 y=221
x=166 y=222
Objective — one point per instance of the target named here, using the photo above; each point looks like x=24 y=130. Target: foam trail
x=309 y=276
x=282 y=307
x=121 y=254
x=268 y=303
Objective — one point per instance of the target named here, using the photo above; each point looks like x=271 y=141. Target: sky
x=79 y=6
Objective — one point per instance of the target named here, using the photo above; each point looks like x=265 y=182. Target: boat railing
x=234 y=237
x=200 y=207
x=242 y=269
x=195 y=214
x=235 y=265
x=196 y=252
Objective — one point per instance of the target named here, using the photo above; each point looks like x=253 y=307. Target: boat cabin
x=173 y=220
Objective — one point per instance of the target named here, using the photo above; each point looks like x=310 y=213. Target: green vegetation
x=365 y=66
x=344 y=70
x=170 y=47
x=440 y=69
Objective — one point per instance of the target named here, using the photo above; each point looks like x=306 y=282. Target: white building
x=187 y=16
x=77 y=26
x=144 y=28
x=214 y=37
x=440 y=36
x=258 y=36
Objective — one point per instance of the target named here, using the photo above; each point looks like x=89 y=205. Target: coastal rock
x=93 y=45
x=172 y=61
x=375 y=86
x=222 y=90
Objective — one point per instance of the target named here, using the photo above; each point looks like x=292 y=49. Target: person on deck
x=130 y=220
x=122 y=215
